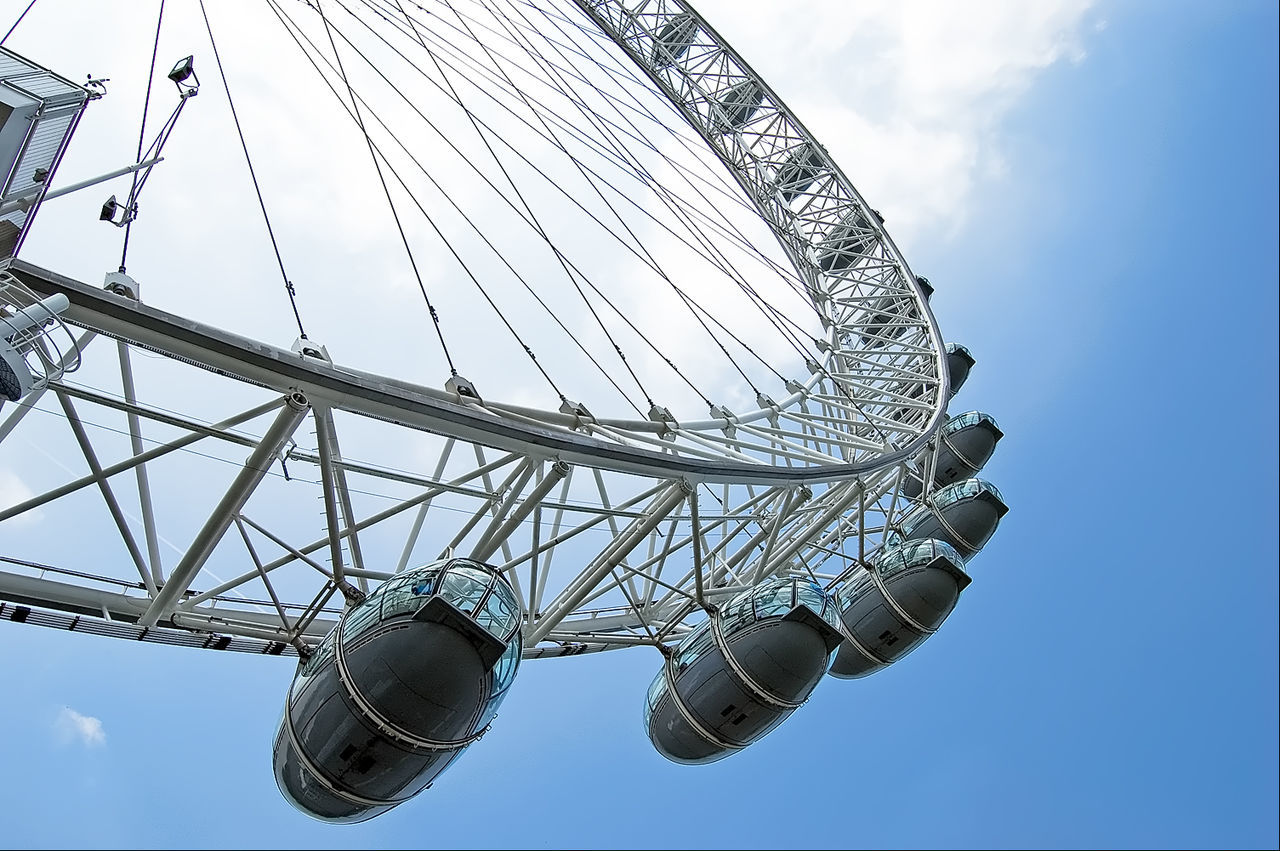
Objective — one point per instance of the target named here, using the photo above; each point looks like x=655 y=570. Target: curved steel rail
x=792 y=482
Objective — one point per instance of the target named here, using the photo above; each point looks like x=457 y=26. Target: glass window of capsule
x=657 y=688
x=771 y=599
x=941 y=498
x=470 y=586
x=963 y=421
x=963 y=490
x=913 y=553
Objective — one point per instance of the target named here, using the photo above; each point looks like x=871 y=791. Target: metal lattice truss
x=613 y=532
x=881 y=376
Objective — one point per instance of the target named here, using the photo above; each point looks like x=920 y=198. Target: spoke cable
x=665 y=196
x=290 y=26
x=288 y=285
x=142 y=133
x=559 y=255
x=747 y=289
x=294 y=31
x=772 y=313
x=650 y=182
x=355 y=113
x=15 y=23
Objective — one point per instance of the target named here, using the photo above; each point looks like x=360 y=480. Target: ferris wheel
x=414 y=540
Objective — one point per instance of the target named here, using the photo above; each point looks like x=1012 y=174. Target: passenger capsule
x=848 y=242
x=798 y=172
x=742 y=672
x=895 y=605
x=409 y=677
x=926 y=287
x=959 y=362
x=890 y=317
x=674 y=39
x=965 y=445
x=737 y=105
x=964 y=514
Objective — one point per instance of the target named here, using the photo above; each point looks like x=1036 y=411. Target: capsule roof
x=917 y=553
x=775 y=598
x=964 y=490
x=968 y=419
x=473 y=587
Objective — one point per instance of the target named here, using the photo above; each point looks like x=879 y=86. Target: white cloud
x=909 y=97
x=13 y=491
x=74 y=727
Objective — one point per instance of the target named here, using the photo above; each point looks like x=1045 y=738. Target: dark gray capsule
x=673 y=39
x=406 y=681
x=847 y=243
x=964 y=514
x=798 y=172
x=737 y=105
x=894 y=606
x=742 y=672
x=965 y=444
x=959 y=362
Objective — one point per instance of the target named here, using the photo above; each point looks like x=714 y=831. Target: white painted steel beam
x=292 y=413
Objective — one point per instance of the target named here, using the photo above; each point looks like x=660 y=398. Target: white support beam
x=113 y=505
x=793 y=501
x=421 y=516
x=499 y=529
x=295 y=408
x=853 y=490
x=129 y=463
x=336 y=496
x=612 y=555
x=140 y=469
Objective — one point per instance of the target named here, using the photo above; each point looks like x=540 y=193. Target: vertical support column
x=337 y=496
x=140 y=471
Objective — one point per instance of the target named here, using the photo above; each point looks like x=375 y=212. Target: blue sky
x=1107 y=247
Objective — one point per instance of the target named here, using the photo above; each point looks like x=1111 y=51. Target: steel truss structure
x=614 y=532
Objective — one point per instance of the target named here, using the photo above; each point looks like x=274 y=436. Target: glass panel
x=694 y=645
x=738 y=613
x=464 y=587
x=811 y=596
x=398 y=596
x=962 y=421
x=321 y=657
x=426 y=581
x=504 y=674
x=499 y=614
x=896 y=560
x=775 y=600
x=913 y=519
x=362 y=618
x=657 y=689
x=505 y=671
x=964 y=490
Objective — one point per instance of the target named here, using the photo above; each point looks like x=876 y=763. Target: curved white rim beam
x=797 y=478
x=708 y=453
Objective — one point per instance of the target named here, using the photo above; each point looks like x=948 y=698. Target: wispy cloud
x=910 y=98
x=73 y=727
x=13 y=491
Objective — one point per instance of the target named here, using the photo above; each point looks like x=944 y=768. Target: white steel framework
x=614 y=532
